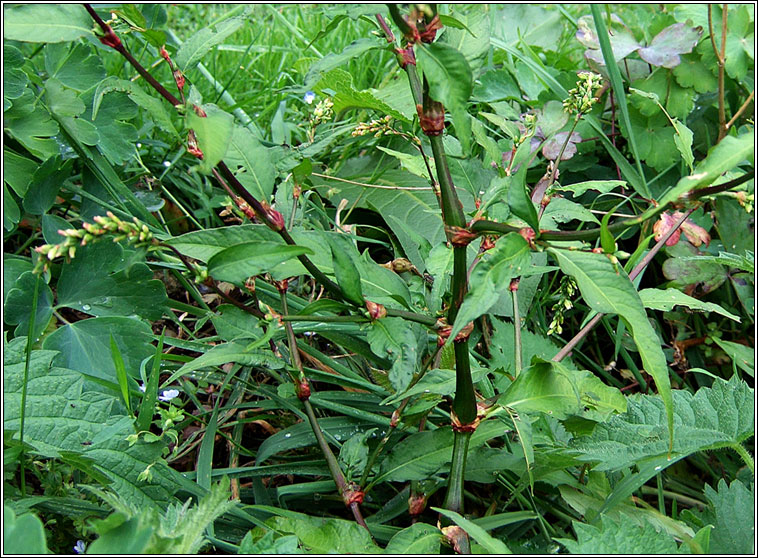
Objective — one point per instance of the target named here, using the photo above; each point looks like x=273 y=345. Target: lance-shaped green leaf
x=421 y=455
x=518 y=199
x=490 y=543
x=608 y=290
x=607 y=241
x=247 y=152
x=660 y=299
x=713 y=418
x=193 y=49
x=450 y=82
x=213 y=133
x=553 y=388
x=491 y=278
x=345 y=269
x=229 y=352
x=726 y=155
x=742 y=356
x=236 y=263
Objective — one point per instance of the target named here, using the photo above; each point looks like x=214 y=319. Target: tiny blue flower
x=309 y=97
x=80 y=547
x=169 y=394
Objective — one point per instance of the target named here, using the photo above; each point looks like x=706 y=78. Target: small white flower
x=142 y=387
x=166 y=164
x=80 y=547
x=169 y=394
x=309 y=97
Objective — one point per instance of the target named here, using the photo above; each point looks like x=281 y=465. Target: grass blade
x=123 y=381
x=618 y=90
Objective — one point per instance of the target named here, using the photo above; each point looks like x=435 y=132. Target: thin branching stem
x=334 y=468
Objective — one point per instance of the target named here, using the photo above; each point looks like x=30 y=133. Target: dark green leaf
x=241 y=261
x=85 y=345
x=345 y=269
x=609 y=537
x=96 y=282
x=419 y=538
x=18 y=304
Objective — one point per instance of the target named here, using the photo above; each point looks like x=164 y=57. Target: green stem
x=746 y=457
x=325 y=319
x=331 y=461
x=516 y=330
x=29 y=343
x=454 y=496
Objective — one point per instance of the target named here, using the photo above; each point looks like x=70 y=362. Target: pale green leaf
x=490 y=543
x=742 y=355
x=204 y=244
x=213 y=133
x=347 y=97
x=602 y=186
x=24 y=534
x=194 y=48
x=607 y=289
x=396 y=340
x=46 y=23
x=552 y=388
x=660 y=299
x=228 y=352
x=724 y=156
x=258 y=171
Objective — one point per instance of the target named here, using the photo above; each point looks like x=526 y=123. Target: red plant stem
x=632 y=276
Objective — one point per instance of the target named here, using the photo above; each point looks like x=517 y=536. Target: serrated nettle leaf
x=666 y=46
x=607 y=289
x=194 y=48
x=492 y=276
x=62 y=416
x=395 y=340
x=554 y=389
x=213 y=133
x=152 y=105
x=714 y=417
x=345 y=269
x=665 y=300
x=732 y=514
x=614 y=538
x=561 y=210
x=239 y=262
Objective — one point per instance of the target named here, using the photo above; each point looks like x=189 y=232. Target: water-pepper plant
x=412 y=278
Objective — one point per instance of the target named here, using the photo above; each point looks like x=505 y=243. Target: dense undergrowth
x=364 y=279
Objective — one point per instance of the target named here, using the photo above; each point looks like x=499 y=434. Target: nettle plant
x=389 y=275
